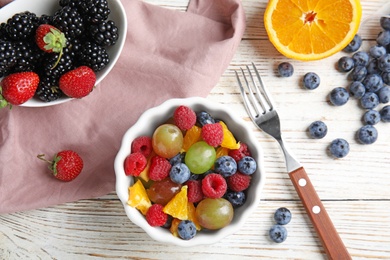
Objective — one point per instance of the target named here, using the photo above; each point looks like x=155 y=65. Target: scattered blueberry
x=360 y=58
x=318 y=129
x=371 y=117
x=358 y=73
x=357 y=89
x=384 y=63
x=186 y=229
x=204 y=118
x=370 y=100
x=339 y=148
x=285 y=69
x=237 y=199
x=385 y=23
x=247 y=165
x=339 y=96
x=346 y=64
x=278 y=233
x=282 y=216
x=384 y=94
x=386 y=77
x=383 y=38
x=180 y=173
x=377 y=51
x=367 y=134
x=354 y=45
x=373 y=82
x=372 y=67
x=385 y=114
x=311 y=80
x=225 y=165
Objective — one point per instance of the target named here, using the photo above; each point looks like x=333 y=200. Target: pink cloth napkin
x=167 y=54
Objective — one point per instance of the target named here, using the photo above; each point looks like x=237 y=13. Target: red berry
x=17 y=88
x=212 y=134
x=142 y=144
x=135 y=163
x=78 y=83
x=155 y=215
x=240 y=153
x=214 y=186
x=238 y=181
x=194 y=191
x=184 y=117
x=159 y=168
x=50 y=39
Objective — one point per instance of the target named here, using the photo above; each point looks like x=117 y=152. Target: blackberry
x=93 y=56
x=27 y=55
x=104 y=33
x=69 y=21
x=64 y=65
x=94 y=11
x=48 y=89
x=7 y=57
x=21 y=26
x=71 y=3
x=3 y=32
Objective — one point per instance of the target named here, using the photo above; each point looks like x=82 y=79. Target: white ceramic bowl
x=146 y=125
x=118 y=15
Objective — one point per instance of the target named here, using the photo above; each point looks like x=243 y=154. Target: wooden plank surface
x=355 y=190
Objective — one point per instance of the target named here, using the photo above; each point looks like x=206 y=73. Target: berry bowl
x=147 y=125
x=49 y=7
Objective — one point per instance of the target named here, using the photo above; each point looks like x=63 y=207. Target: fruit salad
x=190 y=174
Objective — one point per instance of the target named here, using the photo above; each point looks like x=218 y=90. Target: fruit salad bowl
x=146 y=125
x=49 y=7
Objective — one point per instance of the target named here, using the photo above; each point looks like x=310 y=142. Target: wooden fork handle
x=330 y=239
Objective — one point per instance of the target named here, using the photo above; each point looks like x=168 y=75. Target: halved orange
x=311 y=29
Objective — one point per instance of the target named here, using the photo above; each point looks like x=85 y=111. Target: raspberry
x=238 y=181
x=214 y=186
x=194 y=192
x=240 y=153
x=212 y=134
x=184 y=117
x=159 y=168
x=155 y=215
x=142 y=144
x=135 y=163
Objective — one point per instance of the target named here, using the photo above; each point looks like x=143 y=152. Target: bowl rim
x=123 y=181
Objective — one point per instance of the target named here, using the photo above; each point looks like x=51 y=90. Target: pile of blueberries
x=369 y=73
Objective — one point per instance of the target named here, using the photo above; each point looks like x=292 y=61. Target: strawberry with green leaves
x=17 y=88
x=78 y=83
x=66 y=165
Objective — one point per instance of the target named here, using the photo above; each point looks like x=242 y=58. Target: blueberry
x=282 y=216
x=372 y=67
x=386 y=78
x=339 y=148
x=247 y=165
x=360 y=58
x=371 y=117
x=373 y=82
x=237 y=199
x=179 y=173
x=178 y=158
x=367 y=134
x=384 y=63
x=384 y=94
x=311 y=80
x=346 y=64
x=204 y=118
x=357 y=89
x=186 y=229
x=377 y=51
x=168 y=223
x=285 y=69
x=385 y=23
x=383 y=38
x=370 y=100
x=385 y=114
x=225 y=165
x=318 y=129
x=339 y=96
x=354 y=45
x=278 y=233
x=358 y=73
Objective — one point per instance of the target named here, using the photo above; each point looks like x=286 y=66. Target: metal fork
x=261 y=110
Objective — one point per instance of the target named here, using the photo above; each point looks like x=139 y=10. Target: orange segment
x=177 y=207
x=145 y=173
x=138 y=197
x=174 y=225
x=222 y=151
x=311 y=29
x=192 y=136
x=228 y=138
x=192 y=215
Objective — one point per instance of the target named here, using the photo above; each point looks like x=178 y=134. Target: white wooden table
x=355 y=189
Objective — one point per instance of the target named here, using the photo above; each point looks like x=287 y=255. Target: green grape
x=200 y=157
x=167 y=140
x=214 y=213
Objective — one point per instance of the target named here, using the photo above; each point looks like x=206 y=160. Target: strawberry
x=66 y=165
x=17 y=88
x=78 y=83
x=50 y=39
